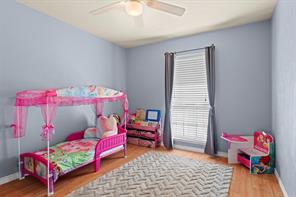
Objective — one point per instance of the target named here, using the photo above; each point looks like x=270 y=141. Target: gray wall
x=37 y=51
x=243 y=93
x=284 y=91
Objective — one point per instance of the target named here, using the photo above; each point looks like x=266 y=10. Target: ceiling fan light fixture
x=134 y=8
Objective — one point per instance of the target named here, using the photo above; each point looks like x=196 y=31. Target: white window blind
x=190 y=107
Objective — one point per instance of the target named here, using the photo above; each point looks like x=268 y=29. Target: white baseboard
x=199 y=150
x=281 y=183
x=8 y=178
x=222 y=154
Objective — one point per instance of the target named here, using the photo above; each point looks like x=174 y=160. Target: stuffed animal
x=107 y=126
x=117 y=117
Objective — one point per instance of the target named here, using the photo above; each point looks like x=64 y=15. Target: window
x=190 y=107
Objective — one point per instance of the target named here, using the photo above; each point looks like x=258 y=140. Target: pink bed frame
x=48 y=100
x=103 y=145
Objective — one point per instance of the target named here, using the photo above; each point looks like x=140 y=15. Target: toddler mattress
x=67 y=156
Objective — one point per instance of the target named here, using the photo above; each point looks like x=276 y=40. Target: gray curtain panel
x=169 y=78
x=210 y=65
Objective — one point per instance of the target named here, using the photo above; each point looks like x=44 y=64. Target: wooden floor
x=242 y=184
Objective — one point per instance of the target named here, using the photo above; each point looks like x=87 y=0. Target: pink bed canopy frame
x=48 y=100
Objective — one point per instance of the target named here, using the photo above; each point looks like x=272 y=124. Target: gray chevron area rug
x=157 y=174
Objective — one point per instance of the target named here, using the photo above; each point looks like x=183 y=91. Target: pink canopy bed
x=50 y=163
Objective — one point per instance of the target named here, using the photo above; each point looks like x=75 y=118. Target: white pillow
x=90 y=133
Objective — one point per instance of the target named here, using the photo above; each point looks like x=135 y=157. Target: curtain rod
x=193 y=49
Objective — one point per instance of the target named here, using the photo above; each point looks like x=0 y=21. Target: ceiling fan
x=135 y=7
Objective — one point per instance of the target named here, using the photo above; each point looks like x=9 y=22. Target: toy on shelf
x=153 y=115
x=235 y=142
x=140 y=114
x=143 y=128
x=260 y=157
x=148 y=118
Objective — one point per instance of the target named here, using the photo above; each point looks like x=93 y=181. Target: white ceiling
x=153 y=26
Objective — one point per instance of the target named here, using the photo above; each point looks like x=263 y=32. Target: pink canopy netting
x=48 y=100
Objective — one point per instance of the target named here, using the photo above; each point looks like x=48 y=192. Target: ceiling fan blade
x=166 y=7
x=105 y=8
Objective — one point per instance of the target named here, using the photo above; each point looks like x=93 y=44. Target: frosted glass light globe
x=134 y=8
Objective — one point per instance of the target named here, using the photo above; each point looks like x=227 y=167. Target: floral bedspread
x=67 y=156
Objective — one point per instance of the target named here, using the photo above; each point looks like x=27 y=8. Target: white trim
x=280 y=183
x=222 y=154
x=199 y=150
x=8 y=178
